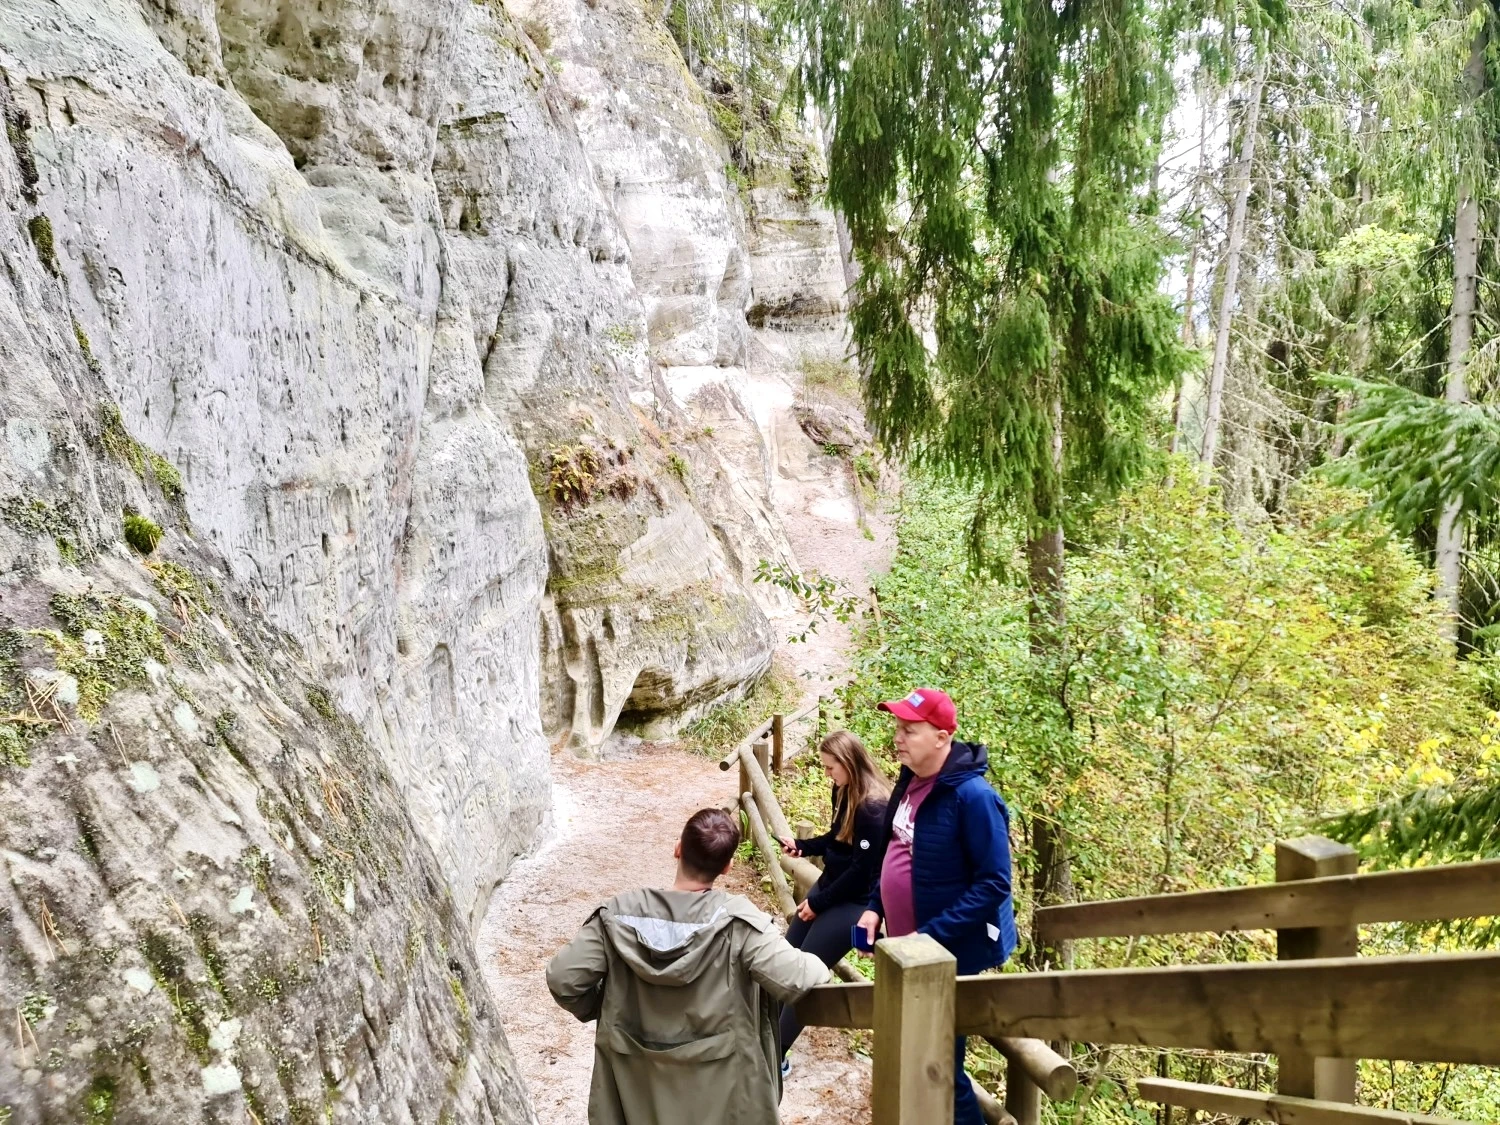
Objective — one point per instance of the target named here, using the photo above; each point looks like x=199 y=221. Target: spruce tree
x=993 y=161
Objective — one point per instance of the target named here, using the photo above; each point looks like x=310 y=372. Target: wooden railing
x=1032 y=1067
x=1316 y=1011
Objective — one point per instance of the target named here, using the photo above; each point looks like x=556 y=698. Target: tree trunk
x=1192 y=276
x=1215 y=408
x=1359 y=346
x=1450 y=536
x=841 y=228
x=1052 y=879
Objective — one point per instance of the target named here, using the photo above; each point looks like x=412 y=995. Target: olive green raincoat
x=685 y=987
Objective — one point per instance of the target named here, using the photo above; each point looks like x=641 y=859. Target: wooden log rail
x=1251 y=1105
x=1423 y=894
x=1428 y=1008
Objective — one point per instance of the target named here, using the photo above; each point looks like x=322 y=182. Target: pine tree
x=993 y=164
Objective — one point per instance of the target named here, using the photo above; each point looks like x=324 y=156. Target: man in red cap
x=945 y=867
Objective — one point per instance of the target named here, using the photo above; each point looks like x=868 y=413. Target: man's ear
x=677 y=851
x=727 y=866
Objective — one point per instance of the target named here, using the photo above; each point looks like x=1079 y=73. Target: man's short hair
x=709 y=839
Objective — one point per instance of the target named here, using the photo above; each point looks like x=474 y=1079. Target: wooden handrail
x=1460 y=890
x=1439 y=1008
x=1255 y=1106
x=1054 y=1075
x=784 y=898
x=731 y=759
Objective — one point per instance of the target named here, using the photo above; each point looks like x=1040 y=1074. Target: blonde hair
x=866 y=780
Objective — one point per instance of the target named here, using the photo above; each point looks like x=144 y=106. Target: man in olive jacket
x=685 y=985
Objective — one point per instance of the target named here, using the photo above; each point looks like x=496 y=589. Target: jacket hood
x=965 y=759
x=669 y=937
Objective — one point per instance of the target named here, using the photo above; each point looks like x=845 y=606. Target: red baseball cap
x=925 y=705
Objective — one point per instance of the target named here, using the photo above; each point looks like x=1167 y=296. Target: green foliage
x=83 y=346
x=147 y=464
x=177 y=583
x=141 y=533
x=992 y=162
x=820 y=596
x=321 y=702
x=538 y=32
x=736 y=56
x=717 y=732
x=167 y=478
x=33 y=1008
x=104 y=644
x=1442 y=816
x=1415 y=455
x=572 y=472
x=33 y=516
x=677 y=465
x=40 y=229
x=99 y=1102
x=823 y=375
x=622 y=336
x=1221 y=687
x=13 y=743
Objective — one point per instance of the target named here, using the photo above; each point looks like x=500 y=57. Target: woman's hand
x=789 y=846
x=805 y=912
x=869 y=921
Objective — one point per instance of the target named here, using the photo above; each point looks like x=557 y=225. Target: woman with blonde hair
x=849 y=847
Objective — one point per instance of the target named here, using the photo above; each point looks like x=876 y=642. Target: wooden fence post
x=1311 y=857
x=778 y=743
x=1023 y=1097
x=915 y=988
x=762 y=752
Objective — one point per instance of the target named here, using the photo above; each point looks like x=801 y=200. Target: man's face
x=921 y=747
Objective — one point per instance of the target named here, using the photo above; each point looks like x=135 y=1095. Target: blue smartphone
x=860 y=939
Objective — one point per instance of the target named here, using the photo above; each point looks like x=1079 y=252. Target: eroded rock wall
x=213 y=899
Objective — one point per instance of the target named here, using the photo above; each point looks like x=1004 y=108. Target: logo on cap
x=915 y=699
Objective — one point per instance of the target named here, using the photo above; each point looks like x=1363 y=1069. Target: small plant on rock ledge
x=677 y=465
x=141 y=533
x=572 y=473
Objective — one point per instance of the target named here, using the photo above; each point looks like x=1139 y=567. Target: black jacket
x=849 y=870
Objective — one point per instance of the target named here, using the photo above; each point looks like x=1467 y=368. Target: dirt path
x=642 y=799
x=642 y=796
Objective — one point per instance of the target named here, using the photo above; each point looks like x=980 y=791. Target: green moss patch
x=35 y=517
x=40 y=229
x=142 y=534
x=104 y=644
x=146 y=463
x=177 y=583
x=99 y=1102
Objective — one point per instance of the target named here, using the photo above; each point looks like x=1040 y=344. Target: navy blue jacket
x=960 y=862
x=849 y=870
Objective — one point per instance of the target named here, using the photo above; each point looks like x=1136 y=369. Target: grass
x=832 y=377
x=717 y=732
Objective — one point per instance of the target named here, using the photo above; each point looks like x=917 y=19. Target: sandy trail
x=615 y=821
x=614 y=825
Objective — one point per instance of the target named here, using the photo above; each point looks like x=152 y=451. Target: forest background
x=1178 y=321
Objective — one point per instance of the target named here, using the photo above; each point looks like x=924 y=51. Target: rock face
x=214 y=901
x=422 y=333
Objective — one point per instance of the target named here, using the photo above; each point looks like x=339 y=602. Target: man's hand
x=869 y=921
x=805 y=912
x=789 y=846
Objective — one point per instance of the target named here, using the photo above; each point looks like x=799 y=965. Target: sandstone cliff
x=427 y=348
